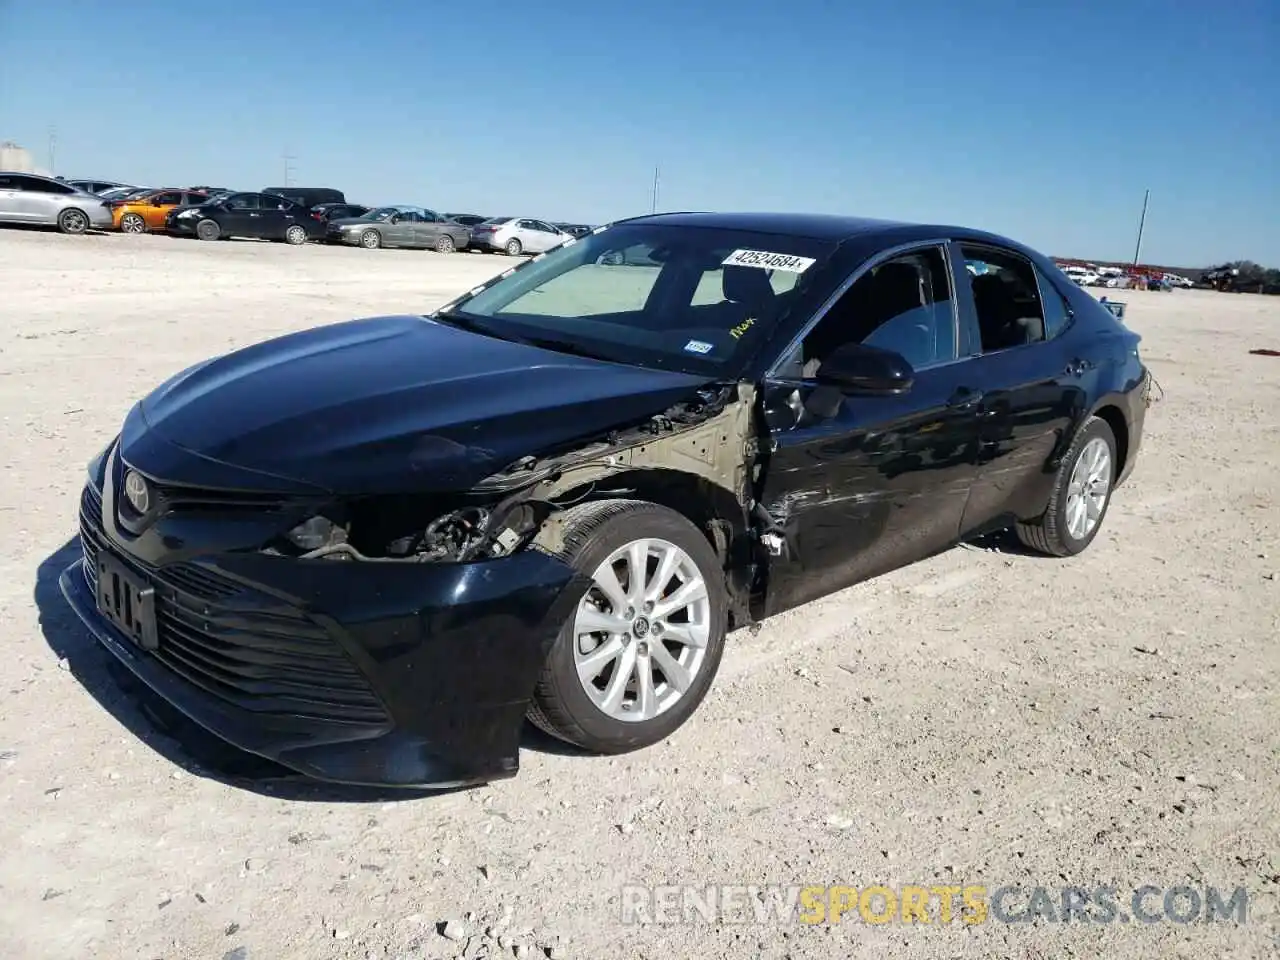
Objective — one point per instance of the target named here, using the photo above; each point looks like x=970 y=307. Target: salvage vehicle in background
x=307 y=196
x=339 y=211
x=27 y=198
x=150 y=210
x=95 y=186
x=400 y=226
x=368 y=550
x=259 y=216
x=515 y=235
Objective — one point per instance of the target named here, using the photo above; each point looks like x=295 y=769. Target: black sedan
x=370 y=550
x=260 y=216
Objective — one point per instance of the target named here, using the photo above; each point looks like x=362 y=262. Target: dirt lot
x=983 y=718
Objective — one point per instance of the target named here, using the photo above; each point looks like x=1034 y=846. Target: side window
x=904 y=304
x=1006 y=298
x=1056 y=311
x=430 y=216
x=191 y=199
x=168 y=198
x=526 y=225
x=269 y=202
x=243 y=201
x=36 y=185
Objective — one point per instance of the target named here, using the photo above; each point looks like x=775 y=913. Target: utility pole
x=1142 y=222
x=53 y=143
x=288 y=159
x=653 y=204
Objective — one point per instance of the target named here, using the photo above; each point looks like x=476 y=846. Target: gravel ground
x=986 y=717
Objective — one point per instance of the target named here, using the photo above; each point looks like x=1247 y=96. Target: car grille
x=257 y=653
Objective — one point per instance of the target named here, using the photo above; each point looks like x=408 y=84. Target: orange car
x=147 y=212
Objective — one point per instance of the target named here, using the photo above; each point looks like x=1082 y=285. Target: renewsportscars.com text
x=929 y=904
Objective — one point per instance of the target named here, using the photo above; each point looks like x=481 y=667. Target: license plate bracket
x=127 y=601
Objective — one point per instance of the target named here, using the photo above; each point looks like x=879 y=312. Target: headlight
x=189 y=213
x=316 y=533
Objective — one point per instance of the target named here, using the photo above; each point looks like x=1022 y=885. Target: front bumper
x=346 y=237
x=182 y=226
x=383 y=674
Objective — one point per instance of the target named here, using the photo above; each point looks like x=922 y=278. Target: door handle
x=965 y=399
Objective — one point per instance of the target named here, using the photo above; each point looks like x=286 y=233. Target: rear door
x=39 y=200
x=1032 y=388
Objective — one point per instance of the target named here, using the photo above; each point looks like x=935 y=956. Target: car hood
x=396 y=404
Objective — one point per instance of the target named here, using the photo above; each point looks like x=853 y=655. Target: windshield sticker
x=768 y=261
x=743 y=327
x=697 y=346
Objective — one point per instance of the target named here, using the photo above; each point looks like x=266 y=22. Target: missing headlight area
x=704 y=444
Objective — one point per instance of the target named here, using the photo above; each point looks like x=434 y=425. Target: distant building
x=18 y=160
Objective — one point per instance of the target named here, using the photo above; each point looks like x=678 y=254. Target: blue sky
x=1044 y=121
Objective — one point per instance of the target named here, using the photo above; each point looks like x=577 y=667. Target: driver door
x=861 y=485
x=399 y=229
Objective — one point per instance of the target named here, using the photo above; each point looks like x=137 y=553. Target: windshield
x=381 y=213
x=693 y=299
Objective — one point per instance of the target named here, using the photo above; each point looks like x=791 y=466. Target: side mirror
x=395 y=218
x=867 y=371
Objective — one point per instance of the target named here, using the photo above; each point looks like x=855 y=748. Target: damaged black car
x=371 y=550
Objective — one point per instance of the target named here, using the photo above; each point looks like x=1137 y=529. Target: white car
x=28 y=198
x=514 y=235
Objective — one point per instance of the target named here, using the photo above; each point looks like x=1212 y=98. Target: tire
x=1058 y=532
x=295 y=235
x=73 y=221
x=208 y=230
x=133 y=223
x=514 y=248
x=371 y=239
x=445 y=244
x=561 y=705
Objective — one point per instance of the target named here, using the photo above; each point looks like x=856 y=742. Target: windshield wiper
x=466 y=321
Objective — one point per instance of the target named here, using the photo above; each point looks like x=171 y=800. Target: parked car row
x=293 y=215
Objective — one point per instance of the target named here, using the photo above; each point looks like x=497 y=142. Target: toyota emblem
x=137 y=492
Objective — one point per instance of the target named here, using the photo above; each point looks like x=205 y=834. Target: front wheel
x=73 y=221
x=208 y=230
x=1080 y=497
x=371 y=239
x=514 y=248
x=640 y=651
x=133 y=223
x=295 y=235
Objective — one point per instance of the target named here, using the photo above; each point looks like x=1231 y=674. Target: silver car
x=399 y=226
x=28 y=198
x=516 y=235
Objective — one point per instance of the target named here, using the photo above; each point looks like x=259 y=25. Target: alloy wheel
x=73 y=221
x=1088 y=488
x=132 y=223
x=295 y=235
x=642 y=629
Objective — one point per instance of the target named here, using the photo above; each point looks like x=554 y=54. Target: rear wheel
x=295 y=235
x=1080 y=497
x=642 y=648
x=371 y=239
x=73 y=221
x=444 y=244
x=514 y=248
x=133 y=223
x=208 y=230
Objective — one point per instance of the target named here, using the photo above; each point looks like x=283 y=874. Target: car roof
x=821 y=226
